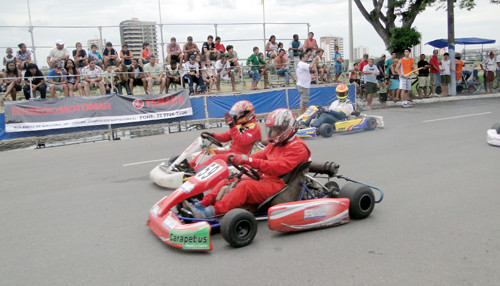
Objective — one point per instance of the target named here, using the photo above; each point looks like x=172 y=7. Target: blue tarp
x=441 y=43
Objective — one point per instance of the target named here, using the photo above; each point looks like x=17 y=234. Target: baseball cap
x=190 y=38
x=173 y=39
x=57 y=65
x=491 y=53
x=60 y=42
x=192 y=57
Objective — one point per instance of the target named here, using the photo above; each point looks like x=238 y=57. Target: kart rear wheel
x=333 y=189
x=496 y=126
x=238 y=227
x=361 y=197
x=326 y=130
x=371 y=123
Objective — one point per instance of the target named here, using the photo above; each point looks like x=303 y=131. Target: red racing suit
x=243 y=138
x=272 y=163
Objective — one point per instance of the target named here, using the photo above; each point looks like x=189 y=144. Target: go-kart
x=175 y=171
x=354 y=122
x=493 y=135
x=304 y=203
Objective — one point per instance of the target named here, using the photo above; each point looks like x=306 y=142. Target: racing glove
x=238 y=159
x=229 y=120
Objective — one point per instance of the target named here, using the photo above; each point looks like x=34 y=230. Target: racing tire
x=238 y=227
x=438 y=89
x=371 y=123
x=362 y=200
x=333 y=189
x=496 y=126
x=472 y=89
x=326 y=130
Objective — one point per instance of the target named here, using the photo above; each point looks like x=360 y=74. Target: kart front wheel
x=326 y=130
x=371 y=123
x=361 y=197
x=238 y=227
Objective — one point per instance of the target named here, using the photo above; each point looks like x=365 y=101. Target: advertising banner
x=79 y=111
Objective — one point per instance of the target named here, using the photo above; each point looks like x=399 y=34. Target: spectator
x=423 y=77
x=192 y=74
x=255 y=63
x=218 y=46
x=23 y=57
x=271 y=48
x=498 y=71
x=337 y=63
x=110 y=55
x=154 y=75
x=108 y=77
x=9 y=57
x=232 y=58
x=264 y=72
x=304 y=80
x=208 y=74
x=445 y=74
x=92 y=76
x=224 y=71
x=57 y=80
x=80 y=56
x=370 y=72
x=281 y=47
x=59 y=54
x=382 y=93
x=126 y=55
x=73 y=78
x=362 y=64
x=174 y=51
x=310 y=43
x=281 y=68
x=394 y=91
x=354 y=75
x=173 y=74
x=388 y=62
x=404 y=68
x=95 y=56
x=209 y=50
x=459 y=65
x=145 y=54
x=189 y=49
x=295 y=47
x=136 y=76
x=37 y=83
x=321 y=67
x=12 y=80
x=122 y=79
x=381 y=68
x=434 y=71
x=488 y=66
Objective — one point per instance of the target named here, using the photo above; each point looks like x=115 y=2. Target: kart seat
x=290 y=192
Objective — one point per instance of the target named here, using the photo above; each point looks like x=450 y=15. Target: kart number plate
x=208 y=172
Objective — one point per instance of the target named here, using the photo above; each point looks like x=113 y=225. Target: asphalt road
x=77 y=214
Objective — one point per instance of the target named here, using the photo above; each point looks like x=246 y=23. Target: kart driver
x=340 y=109
x=243 y=132
x=285 y=152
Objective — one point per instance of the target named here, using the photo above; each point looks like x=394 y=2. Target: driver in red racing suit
x=243 y=132
x=285 y=152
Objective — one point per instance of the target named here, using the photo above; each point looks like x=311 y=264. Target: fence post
x=287 y=100
x=215 y=26
x=206 y=108
x=100 y=38
x=30 y=79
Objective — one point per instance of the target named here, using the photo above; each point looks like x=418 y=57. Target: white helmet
x=280 y=125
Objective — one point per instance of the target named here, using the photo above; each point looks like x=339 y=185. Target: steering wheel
x=211 y=138
x=250 y=172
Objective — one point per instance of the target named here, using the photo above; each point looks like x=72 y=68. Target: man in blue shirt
x=337 y=58
x=57 y=80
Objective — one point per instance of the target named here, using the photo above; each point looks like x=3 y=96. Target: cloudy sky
x=326 y=17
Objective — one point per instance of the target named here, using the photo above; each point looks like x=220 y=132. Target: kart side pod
x=308 y=214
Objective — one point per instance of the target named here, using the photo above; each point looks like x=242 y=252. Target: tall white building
x=360 y=51
x=328 y=44
x=134 y=33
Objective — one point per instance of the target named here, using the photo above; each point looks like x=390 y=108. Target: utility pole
x=451 y=46
x=351 y=48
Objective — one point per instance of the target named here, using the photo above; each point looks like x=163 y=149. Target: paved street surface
x=76 y=215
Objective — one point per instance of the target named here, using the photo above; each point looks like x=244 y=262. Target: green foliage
x=402 y=38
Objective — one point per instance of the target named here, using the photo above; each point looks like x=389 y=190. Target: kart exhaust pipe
x=327 y=168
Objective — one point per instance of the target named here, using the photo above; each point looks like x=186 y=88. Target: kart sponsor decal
x=191 y=239
x=187 y=187
x=316 y=213
x=154 y=210
x=341 y=218
x=208 y=171
x=170 y=222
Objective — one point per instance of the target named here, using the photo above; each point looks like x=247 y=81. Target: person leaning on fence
x=304 y=80
x=59 y=54
x=80 y=56
x=174 y=52
x=57 y=80
x=232 y=58
x=154 y=74
x=73 y=78
x=192 y=74
x=173 y=74
x=23 y=57
x=92 y=76
x=136 y=76
x=37 y=82
x=281 y=68
x=255 y=62
x=224 y=71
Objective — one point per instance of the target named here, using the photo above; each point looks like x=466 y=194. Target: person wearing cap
x=57 y=80
x=489 y=66
x=110 y=55
x=224 y=71
x=174 y=51
x=58 y=54
x=192 y=74
x=189 y=49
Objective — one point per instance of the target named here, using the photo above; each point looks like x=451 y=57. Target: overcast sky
x=325 y=18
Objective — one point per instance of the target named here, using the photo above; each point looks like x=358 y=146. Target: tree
x=383 y=18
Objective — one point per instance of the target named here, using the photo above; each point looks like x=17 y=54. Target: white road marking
x=144 y=162
x=455 y=117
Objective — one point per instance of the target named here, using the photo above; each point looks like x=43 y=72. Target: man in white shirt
x=498 y=71
x=92 y=76
x=370 y=72
x=59 y=54
x=224 y=71
x=304 y=80
x=489 y=66
x=154 y=75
